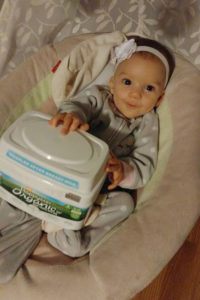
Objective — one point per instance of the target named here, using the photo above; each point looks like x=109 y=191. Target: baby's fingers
x=56 y=120
x=84 y=126
x=112 y=168
x=70 y=123
x=115 y=183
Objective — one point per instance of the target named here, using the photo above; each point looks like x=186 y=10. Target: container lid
x=71 y=149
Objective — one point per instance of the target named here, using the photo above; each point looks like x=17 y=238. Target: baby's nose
x=136 y=93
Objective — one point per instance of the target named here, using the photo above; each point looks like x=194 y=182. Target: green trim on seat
x=31 y=101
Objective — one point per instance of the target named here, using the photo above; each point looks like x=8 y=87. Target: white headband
x=126 y=50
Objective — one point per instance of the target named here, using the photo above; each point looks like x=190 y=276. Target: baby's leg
x=118 y=206
x=19 y=235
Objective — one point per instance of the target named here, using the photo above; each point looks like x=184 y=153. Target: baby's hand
x=70 y=121
x=115 y=171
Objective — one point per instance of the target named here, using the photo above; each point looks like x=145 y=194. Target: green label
x=43 y=202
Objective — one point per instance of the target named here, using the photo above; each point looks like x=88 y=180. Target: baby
x=124 y=116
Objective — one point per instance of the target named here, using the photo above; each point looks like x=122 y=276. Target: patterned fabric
x=119 y=267
x=26 y=26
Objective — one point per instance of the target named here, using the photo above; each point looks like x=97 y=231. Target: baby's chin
x=136 y=112
x=132 y=114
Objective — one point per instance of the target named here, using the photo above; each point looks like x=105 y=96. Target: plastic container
x=53 y=177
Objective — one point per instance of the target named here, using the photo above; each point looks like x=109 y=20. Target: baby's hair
x=140 y=41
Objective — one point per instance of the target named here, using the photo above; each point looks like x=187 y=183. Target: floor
x=180 y=279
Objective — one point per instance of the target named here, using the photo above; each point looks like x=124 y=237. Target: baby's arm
x=141 y=163
x=78 y=111
x=69 y=121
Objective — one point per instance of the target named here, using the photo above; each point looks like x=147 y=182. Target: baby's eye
x=127 y=81
x=149 y=88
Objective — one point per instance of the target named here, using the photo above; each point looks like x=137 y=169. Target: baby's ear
x=111 y=82
x=160 y=99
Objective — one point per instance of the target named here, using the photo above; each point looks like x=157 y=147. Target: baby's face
x=138 y=85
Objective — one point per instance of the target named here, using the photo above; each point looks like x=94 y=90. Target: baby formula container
x=50 y=176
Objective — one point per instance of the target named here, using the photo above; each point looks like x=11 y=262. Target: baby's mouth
x=131 y=105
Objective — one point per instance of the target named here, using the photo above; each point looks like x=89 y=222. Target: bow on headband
x=128 y=48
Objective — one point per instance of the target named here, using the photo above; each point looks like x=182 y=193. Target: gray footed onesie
x=118 y=206
x=19 y=235
x=134 y=142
